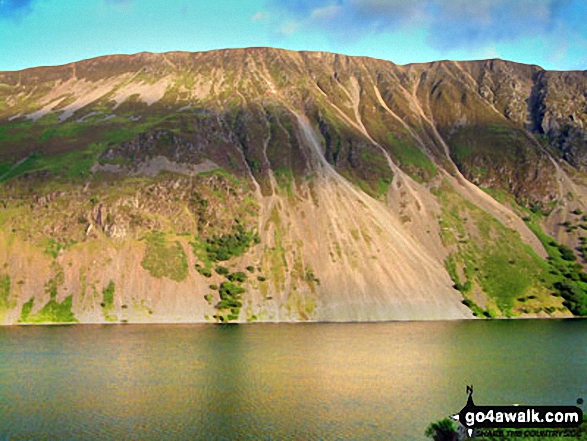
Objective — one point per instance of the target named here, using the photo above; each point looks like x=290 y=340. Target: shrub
x=239 y=276
x=203 y=271
x=229 y=289
x=237 y=242
x=229 y=303
x=223 y=271
x=230 y=299
x=575 y=297
x=443 y=430
x=567 y=253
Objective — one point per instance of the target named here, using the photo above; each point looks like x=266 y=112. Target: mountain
x=268 y=185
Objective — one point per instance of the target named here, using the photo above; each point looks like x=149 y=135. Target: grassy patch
x=301 y=305
x=52 y=247
x=285 y=180
x=221 y=172
x=5 y=302
x=52 y=312
x=488 y=256
x=4 y=290
x=374 y=175
x=74 y=165
x=413 y=160
x=164 y=259
x=108 y=302
x=26 y=310
x=53 y=284
x=567 y=278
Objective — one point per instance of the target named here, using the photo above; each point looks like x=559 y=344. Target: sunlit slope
x=268 y=185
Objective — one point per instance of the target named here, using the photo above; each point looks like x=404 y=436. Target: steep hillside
x=268 y=185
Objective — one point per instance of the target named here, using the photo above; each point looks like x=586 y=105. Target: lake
x=367 y=381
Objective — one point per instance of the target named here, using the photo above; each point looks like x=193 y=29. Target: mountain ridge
x=432 y=189
x=270 y=48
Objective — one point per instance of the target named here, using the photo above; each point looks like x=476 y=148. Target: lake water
x=277 y=382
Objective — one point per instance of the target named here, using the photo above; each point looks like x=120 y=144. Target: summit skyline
x=548 y=33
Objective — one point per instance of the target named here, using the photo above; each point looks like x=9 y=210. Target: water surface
x=277 y=382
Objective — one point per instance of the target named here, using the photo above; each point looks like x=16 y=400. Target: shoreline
x=285 y=322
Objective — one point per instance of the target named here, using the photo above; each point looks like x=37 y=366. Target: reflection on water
x=291 y=382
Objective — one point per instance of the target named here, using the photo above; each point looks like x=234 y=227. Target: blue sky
x=550 y=33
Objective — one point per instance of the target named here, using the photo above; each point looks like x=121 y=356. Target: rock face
x=269 y=185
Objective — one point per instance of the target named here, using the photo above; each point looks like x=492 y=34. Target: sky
x=549 y=33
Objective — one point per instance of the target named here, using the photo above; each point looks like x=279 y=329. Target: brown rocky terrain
x=268 y=185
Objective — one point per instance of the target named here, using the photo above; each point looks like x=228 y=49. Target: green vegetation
x=4 y=291
x=376 y=176
x=226 y=175
x=5 y=302
x=382 y=187
x=508 y=167
x=566 y=253
x=219 y=248
x=52 y=312
x=488 y=257
x=203 y=271
x=239 y=277
x=66 y=150
x=501 y=196
x=230 y=300
x=471 y=140
x=285 y=180
x=164 y=260
x=53 y=284
x=74 y=165
x=443 y=430
x=567 y=278
x=225 y=246
x=412 y=159
x=108 y=302
x=309 y=276
x=52 y=247
x=26 y=310
x=301 y=305
x=223 y=271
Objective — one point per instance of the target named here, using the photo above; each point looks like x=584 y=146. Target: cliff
x=267 y=185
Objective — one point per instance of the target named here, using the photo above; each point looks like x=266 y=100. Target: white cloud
x=259 y=16
x=326 y=12
x=449 y=23
x=289 y=28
